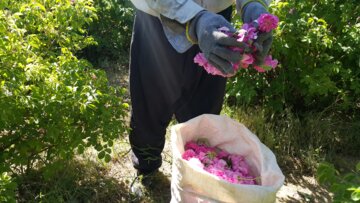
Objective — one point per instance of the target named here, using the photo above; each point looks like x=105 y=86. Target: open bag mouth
x=191 y=183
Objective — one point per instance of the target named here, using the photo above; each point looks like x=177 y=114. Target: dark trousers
x=164 y=83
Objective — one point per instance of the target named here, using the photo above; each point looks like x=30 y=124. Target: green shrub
x=112 y=30
x=346 y=188
x=7 y=188
x=307 y=139
x=317 y=44
x=52 y=104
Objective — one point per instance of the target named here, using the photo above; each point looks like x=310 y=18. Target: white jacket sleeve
x=179 y=10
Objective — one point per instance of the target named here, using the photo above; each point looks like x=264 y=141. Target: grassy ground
x=88 y=179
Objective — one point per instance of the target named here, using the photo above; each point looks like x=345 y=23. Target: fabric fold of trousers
x=164 y=83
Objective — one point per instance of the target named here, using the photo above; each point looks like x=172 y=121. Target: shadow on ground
x=74 y=181
x=158 y=193
x=300 y=186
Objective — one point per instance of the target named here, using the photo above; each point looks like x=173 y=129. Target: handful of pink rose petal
x=230 y=167
x=247 y=34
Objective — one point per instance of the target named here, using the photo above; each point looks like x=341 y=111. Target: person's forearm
x=179 y=10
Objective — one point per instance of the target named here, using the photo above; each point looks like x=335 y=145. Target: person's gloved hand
x=213 y=43
x=263 y=43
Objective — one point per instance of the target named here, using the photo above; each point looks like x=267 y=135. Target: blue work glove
x=263 y=43
x=215 y=44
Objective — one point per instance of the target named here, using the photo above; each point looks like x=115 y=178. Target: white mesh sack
x=192 y=184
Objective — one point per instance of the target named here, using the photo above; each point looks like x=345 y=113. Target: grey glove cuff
x=175 y=32
x=241 y=4
x=192 y=32
x=252 y=11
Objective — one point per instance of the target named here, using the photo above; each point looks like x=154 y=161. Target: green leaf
x=349 y=177
x=326 y=173
x=358 y=166
x=107 y=158
x=40 y=6
x=98 y=147
x=101 y=155
x=80 y=149
x=267 y=68
x=108 y=150
x=355 y=195
x=125 y=105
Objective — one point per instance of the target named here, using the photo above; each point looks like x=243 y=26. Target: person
x=165 y=81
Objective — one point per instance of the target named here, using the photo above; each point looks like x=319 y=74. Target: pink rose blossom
x=222 y=154
x=220 y=163
x=188 y=154
x=236 y=66
x=200 y=59
x=192 y=145
x=247 y=34
x=241 y=35
x=229 y=167
x=247 y=60
x=270 y=62
x=267 y=22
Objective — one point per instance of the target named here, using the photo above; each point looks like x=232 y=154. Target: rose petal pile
x=247 y=34
x=230 y=167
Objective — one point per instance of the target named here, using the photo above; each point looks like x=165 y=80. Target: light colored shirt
x=173 y=13
x=180 y=10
